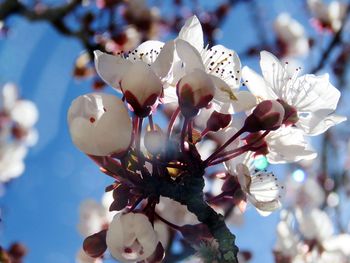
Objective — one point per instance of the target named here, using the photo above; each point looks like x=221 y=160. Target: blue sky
x=40 y=208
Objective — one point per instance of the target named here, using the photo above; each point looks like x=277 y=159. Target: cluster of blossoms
x=200 y=89
x=17 y=132
x=313 y=241
x=327 y=17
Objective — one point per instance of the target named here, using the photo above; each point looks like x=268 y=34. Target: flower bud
x=195 y=90
x=155 y=140
x=218 y=121
x=290 y=113
x=99 y=124
x=141 y=88
x=268 y=115
x=131 y=237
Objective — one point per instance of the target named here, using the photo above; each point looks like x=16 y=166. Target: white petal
x=265 y=207
x=339 y=243
x=110 y=68
x=164 y=61
x=315 y=224
x=274 y=73
x=223 y=63
x=25 y=113
x=257 y=85
x=169 y=96
x=189 y=55
x=316 y=123
x=311 y=93
x=9 y=95
x=288 y=144
x=147 y=52
x=192 y=32
x=245 y=101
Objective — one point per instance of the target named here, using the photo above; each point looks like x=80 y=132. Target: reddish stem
x=190 y=138
x=172 y=121
x=183 y=134
x=229 y=141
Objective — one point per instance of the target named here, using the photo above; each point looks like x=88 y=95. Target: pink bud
x=99 y=124
x=268 y=115
x=95 y=245
x=195 y=90
x=218 y=121
x=141 y=88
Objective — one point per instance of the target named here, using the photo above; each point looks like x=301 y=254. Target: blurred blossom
x=306 y=193
x=291 y=35
x=327 y=16
x=17 y=118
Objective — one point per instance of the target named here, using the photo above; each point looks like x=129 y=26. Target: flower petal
x=110 y=68
x=192 y=32
x=311 y=93
x=257 y=85
x=274 y=73
x=147 y=52
x=288 y=145
x=223 y=63
x=189 y=55
x=317 y=123
x=164 y=61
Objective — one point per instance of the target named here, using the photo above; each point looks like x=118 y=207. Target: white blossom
x=261 y=188
x=158 y=55
x=93 y=217
x=131 y=237
x=222 y=65
x=313 y=97
x=99 y=124
x=329 y=15
x=291 y=35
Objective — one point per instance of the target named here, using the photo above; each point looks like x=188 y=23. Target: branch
x=189 y=193
x=334 y=43
x=54 y=16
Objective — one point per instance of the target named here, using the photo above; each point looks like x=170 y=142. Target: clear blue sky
x=40 y=208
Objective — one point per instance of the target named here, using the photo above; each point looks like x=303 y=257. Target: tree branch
x=189 y=193
x=334 y=43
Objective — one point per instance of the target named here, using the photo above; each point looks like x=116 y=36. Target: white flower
x=330 y=16
x=131 y=237
x=307 y=194
x=158 y=55
x=195 y=90
x=175 y=212
x=99 y=124
x=261 y=189
x=314 y=224
x=141 y=87
x=23 y=112
x=11 y=160
x=313 y=97
x=287 y=240
x=291 y=35
x=222 y=65
x=93 y=217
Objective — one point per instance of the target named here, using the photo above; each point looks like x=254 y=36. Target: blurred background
x=51 y=67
